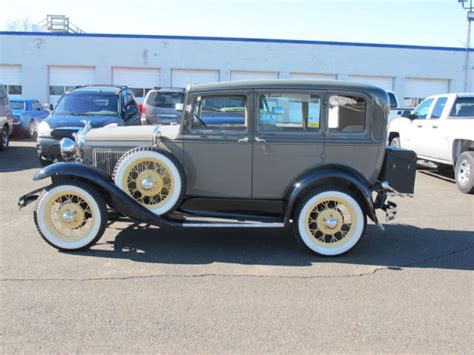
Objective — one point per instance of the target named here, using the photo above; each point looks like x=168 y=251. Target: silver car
x=254 y=154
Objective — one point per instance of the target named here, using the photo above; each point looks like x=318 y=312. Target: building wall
x=37 y=52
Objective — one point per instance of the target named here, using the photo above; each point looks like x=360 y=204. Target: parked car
x=396 y=109
x=159 y=106
x=441 y=130
x=6 y=119
x=101 y=105
x=273 y=167
x=27 y=114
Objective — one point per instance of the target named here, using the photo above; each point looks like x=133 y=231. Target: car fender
x=99 y=179
x=329 y=175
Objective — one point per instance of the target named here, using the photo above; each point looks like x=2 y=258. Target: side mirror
x=179 y=107
x=412 y=116
x=48 y=107
x=278 y=110
x=131 y=111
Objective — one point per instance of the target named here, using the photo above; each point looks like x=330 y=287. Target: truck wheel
x=330 y=221
x=395 y=142
x=153 y=177
x=70 y=216
x=4 y=139
x=464 y=172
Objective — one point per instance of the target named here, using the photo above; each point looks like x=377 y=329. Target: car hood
x=132 y=133
x=58 y=121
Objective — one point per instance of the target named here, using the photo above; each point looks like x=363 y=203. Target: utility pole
x=467 y=5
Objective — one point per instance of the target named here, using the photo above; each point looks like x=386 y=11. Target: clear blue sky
x=420 y=22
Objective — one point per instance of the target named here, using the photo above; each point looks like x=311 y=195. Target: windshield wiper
x=78 y=113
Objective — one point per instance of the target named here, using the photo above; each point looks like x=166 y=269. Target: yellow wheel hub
x=69 y=216
x=331 y=222
x=149 y=182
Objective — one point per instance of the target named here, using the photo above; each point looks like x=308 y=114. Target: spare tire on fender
x=152 y=177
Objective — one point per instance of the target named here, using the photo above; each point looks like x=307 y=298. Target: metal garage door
x=313 y=76
x=61 y=78
x=10 y=77
x=252 y=75
x=385 y=82
x=180 y=78
x=140 y=80
x=417 y=89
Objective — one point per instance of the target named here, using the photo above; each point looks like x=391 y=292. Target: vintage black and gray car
x=306 y=154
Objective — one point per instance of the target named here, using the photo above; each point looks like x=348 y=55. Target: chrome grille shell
x=106 y=159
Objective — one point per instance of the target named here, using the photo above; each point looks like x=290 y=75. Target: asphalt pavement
x=408 y=289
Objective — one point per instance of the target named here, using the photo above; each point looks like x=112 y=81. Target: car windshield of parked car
x=463 y=108
x=165 y=100
x=17 y=105
x=88 y=104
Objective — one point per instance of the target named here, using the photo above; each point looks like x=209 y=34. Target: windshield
x=17 y=105
x=165 y=99
x=93 y=104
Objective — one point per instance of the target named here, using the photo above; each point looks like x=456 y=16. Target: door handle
x=260 y=140
x=243 y=140
x=434 y=126
x=419 y=126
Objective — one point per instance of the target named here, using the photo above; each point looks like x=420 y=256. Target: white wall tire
x=151 y=177
x=86 y=212
x=330 y=221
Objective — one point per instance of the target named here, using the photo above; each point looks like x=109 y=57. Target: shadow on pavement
x=18 y=158
x=398 y=247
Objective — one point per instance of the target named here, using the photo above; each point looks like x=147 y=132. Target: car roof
x=289 y=84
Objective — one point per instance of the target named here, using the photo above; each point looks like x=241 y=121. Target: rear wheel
x=330 y=221
x=31 y=130
x=4 y=139
x=70 y=216
x=464 y=172
x=395 y=142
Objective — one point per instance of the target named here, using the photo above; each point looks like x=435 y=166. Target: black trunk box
x=399 y=169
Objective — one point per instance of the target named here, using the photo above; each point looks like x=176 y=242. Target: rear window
x=17 y=105
x=165 y=99
x=463 y=108
x=88 y=104
x=393 y=100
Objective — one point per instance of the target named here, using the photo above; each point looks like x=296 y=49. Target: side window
x=439 y=107
x=289 y=112
x=219 y=112
x=129 y=99
x=463 y=108
x=347 y=113
x=422 y=111
x=35 y=105
x=393 y=100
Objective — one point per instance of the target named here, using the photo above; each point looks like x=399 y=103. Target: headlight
x=44 y=130
x=68 y=149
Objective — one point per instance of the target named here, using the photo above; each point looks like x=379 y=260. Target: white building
x=43 y=65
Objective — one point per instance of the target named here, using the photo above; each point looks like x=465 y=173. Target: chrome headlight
x=68 y=149
x=44 y=130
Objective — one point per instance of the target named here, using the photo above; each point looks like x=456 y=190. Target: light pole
x=467 y=5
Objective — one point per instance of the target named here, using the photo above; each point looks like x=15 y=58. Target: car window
x=17 y=105
x=165 y=99
x=129 y=99
x=347 y=113
x=289 y=112
x=3 y=96
x=393 y=100
x=463 y=108
x=219 y=112
x=91 y=104
x=438 y=107
x=422 y=111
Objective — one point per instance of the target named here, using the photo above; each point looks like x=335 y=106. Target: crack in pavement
x=118 y=278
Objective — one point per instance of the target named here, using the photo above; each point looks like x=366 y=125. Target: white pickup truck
x=441 y=130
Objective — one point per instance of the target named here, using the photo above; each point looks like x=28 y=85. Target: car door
x=434 y=141
x=217 y=143
x=288 y=139
x=421 y=130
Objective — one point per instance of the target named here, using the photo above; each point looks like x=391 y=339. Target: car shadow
x=400 y=246
x=19 y=157
x=445 y=174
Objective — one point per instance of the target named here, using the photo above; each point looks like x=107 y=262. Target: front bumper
x=48 y=148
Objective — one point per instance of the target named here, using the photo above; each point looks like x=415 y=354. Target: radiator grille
x=105 y=159
x=59 y=133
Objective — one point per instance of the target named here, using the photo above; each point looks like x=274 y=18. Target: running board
x=233 y=225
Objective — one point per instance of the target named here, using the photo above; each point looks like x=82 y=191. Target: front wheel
x=330 y=221
x=70 y=216
x=464 y=172
x=4 y=139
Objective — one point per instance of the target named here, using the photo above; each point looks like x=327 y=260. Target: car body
x=27 y=115
x=101 y=105
x=6 y=119
x=441 y=130
x=251 y=154
x=159 y=106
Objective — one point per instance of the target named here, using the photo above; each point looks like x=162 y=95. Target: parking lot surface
x=408 y=289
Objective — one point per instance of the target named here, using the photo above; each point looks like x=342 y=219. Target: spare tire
x=152 y=177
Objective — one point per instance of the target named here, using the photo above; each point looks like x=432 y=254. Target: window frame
x=445 y=98
x=212 y=131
